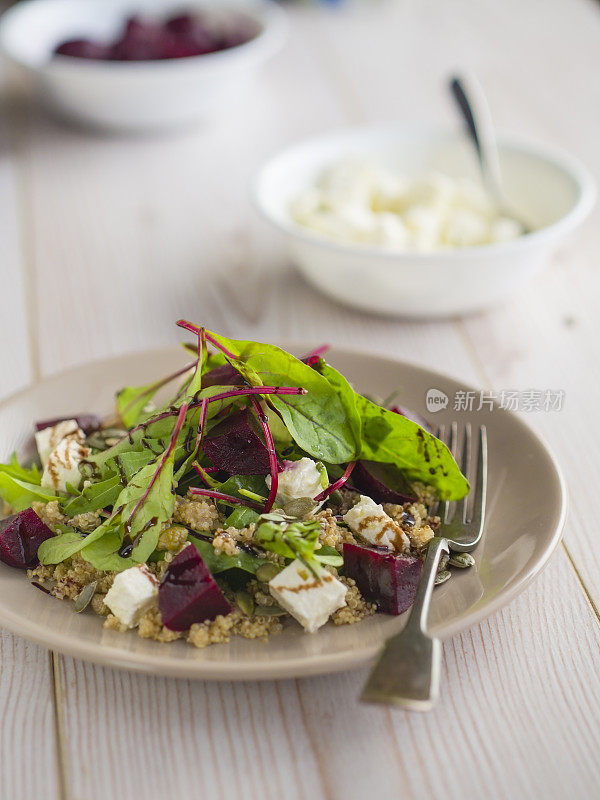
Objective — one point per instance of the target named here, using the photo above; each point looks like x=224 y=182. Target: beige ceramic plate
x=526 y=514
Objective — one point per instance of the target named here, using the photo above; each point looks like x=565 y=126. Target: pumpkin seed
x=461 y=560
x=270 y=611
x=84 y=598
x=299 y=507
x=442 y=576
x=267 y=572
x=102 y=440
x=245 y=603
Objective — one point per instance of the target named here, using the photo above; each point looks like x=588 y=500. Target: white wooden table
x=106 y=241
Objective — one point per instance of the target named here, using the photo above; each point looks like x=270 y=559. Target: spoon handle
x=476 y=113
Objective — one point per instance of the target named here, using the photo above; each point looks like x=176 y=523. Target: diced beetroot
x=412 y=415
x=87 y=422
x=388 y=579
x=188 y=592
x=226 y=375
x=235 y=446
x=20 y=537
x=382 y=482
x=82 y=48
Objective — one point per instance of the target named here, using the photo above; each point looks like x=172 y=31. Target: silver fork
x=407 y=673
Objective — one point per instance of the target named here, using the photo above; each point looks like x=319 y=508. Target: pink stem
x=226 y=498
x=241 y=392
x=338 y=484
x=274 y=467
x=203 y=472
x=315 y=355
x=250 y=390
x=189 y=326
x=201 y=422
x=178 y=425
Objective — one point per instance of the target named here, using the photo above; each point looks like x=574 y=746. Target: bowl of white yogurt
x=395 y=220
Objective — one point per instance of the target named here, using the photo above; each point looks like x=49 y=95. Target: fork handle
x=407 y=672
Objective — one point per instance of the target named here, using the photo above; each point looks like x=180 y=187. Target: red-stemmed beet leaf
x=225 y=498
x=274 y=466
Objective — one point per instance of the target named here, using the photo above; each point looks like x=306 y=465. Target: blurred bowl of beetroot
x=141 y=64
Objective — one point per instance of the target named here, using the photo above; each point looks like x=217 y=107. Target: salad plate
x=526 y=513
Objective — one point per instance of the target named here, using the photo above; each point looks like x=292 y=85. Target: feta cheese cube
x=369 y=520
x=299 y=479
x=47 y=439
x=62 y=466
x=133 y=592
x=309 y=599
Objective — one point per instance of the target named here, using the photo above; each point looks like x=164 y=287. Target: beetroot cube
x=188 y=592
x=20 y=537
x=378 y=482
x=235 y=446
x=386 y=578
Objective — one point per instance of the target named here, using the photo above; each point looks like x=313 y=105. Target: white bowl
x=142 y=95
x=551 y=190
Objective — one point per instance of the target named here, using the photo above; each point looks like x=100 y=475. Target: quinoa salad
x=265 y=493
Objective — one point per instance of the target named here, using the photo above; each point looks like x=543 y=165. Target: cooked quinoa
x=66 y=580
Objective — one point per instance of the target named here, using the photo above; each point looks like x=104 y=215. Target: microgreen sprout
x=337 y=484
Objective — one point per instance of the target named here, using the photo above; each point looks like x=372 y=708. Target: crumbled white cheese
x=368 y=519
x=133 y=592
x=309 y=599
x=299 y=479
x=48 y=438
x=357 y=201
x=62 y=466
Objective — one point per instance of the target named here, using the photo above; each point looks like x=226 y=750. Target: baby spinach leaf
x=219 y=562
x=102 y=554
x=394 y=439
x=59 y=548
x=322 y=422
x=241 y=517
x=19 y=493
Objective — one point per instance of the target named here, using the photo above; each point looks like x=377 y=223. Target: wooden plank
x=27 y=724
x=27 y=731
x=513 y=721
x=514 y=718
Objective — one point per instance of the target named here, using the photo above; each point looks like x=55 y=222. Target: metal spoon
x=476 y=113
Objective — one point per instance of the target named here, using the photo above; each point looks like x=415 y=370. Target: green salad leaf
x=94 y=497
x=289 y=537
x=391 y=438
x=147 y=502
x=394 y=439
x=66 y=544
x=241 y=517
x=20 y=487
x=321 y=421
